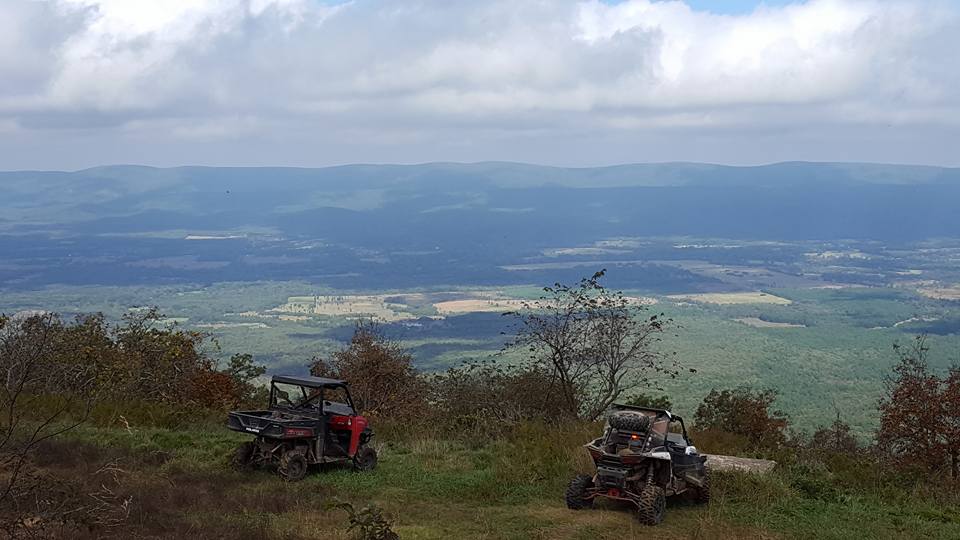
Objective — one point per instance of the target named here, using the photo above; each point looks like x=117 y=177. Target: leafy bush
x=368 y=522
x=489 y=400
x=383 y=381
x=745 y=412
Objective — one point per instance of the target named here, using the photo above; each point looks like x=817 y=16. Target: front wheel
x=652 y=505
x=365 y=459
x=578 y=492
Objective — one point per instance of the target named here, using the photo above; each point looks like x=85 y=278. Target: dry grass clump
x=78 y=490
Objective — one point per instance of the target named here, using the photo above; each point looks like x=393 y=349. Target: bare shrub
x=596 y=344
x=42 y=505
x=35 y=364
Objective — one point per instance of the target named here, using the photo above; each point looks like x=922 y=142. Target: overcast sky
x=312 y=83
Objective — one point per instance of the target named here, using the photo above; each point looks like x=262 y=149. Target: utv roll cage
x=305 y=382
x=657 y=413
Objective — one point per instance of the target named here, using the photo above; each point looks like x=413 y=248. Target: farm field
x=815 y=321
x=752 y=297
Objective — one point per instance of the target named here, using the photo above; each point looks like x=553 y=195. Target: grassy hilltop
x=435 y=488
x=140 y=450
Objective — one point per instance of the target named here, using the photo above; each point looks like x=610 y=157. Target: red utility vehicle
x=310 y=420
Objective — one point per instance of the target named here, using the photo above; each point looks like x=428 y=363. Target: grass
x=448 y=489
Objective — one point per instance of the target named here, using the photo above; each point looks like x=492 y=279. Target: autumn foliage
x=920 y=413
x=383 y=381
x=140 y=359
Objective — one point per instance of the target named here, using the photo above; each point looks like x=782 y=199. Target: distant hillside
x=389 y=226
x=440 y=202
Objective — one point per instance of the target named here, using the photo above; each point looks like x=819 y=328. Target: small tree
x=743 y=412
x=913 y=423
x=244 y=372
x=596 y=344
x=382 y=378
x=951 y=405
x=162 y=363
x=835 y=438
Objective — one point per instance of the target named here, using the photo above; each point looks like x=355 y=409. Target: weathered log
x=733 y=463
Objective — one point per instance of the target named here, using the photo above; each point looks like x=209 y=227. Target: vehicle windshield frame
x=298 y=402
x=306 y=401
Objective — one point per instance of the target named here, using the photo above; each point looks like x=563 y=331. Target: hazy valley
x=797 y=276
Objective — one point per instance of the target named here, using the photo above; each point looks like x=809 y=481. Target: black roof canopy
x=308 y=381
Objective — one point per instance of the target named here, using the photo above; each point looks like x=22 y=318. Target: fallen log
x=733 y=463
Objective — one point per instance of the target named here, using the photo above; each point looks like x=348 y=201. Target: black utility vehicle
x=643 y=457
x=310 y=420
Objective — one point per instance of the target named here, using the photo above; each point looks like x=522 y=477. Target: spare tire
x=629 y=421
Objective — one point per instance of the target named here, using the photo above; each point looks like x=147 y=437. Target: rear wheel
x=578 y=492
x=293 y=466
x=365 y=459
x=242 y=458
x=652 y=505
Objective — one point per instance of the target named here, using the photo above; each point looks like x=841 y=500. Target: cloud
x=490 y=73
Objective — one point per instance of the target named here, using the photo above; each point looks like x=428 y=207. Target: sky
x=561 y=82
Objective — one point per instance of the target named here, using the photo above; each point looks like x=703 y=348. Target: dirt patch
x=477 y=305
x=500 y=305
x=757 y=322
x=223 y=324
x=942 y=293
x=374 y=306
x=752 y=297
x=91 y=492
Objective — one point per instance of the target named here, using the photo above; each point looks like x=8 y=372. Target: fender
x=355 y=425
x=356 y=428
